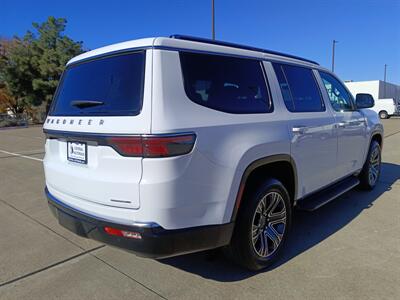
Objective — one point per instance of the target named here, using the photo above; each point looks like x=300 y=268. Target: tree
x=30 y=67
x=15 y=74
x=8 y=103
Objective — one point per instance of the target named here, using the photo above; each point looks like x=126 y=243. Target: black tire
x=371 y=170
x=383 y=114
x=242 y=249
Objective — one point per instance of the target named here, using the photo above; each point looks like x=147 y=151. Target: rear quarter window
x=113 y=83
x=227 y=84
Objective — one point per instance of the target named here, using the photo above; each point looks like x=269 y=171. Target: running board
x=325 y=196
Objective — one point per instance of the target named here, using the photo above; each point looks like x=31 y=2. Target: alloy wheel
x=374 y=166
x=269 y=223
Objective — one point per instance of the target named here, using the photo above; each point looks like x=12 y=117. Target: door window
x=339 y=97
x=299 y=88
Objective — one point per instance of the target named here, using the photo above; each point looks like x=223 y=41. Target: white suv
x=165 y=146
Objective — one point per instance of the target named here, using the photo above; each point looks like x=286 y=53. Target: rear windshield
x=110 y=86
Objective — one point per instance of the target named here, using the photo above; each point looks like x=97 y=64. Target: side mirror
x=364 y=101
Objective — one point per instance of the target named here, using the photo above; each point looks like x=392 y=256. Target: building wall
x=368 y=87
x=376 y=88
x=389 y=90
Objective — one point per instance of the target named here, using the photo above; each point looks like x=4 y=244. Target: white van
x=386 y=108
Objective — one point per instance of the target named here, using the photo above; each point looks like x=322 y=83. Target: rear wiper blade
x=86 y=103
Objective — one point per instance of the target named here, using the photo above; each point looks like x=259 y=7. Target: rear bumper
x=155 y=242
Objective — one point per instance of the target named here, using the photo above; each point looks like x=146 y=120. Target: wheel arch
x=377 y=136
x=278 y=163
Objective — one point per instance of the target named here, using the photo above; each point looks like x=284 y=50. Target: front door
x=350 y=126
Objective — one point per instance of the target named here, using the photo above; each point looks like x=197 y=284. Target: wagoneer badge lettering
x=72 y=121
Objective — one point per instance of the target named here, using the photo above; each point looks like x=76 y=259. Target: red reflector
x=123 y=233
x=153 y=146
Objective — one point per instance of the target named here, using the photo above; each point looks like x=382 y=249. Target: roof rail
x=238 y=46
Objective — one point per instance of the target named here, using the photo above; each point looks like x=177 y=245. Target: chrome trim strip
x=78 y=134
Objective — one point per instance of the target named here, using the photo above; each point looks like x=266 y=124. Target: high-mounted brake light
x=153 y=146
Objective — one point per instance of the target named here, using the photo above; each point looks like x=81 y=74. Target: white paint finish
x=352 y=135
x=229 y=142
x=373 y=125
x=112 y=214
x=171 y=105
x=368 y=87
x=116 y=125
x=387 y=105
x=199 y=46
x=352 y=140
x=385 y=94
x=184 y=44
x=313 y=150
x=146 y=42
x=106 y=177
x=184 y=191
x=199 y=188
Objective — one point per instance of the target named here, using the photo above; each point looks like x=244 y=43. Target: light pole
x=212 y=19
x=333 y=54
x=384 y=82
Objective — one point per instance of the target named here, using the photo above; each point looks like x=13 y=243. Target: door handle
x=342 y=124
x=299 y=129
x=356 y=123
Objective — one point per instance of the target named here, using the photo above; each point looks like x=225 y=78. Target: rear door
x=98 y=101
x=311 y=125
x=350 y=126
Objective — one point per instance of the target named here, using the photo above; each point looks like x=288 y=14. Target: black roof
x=233 y=45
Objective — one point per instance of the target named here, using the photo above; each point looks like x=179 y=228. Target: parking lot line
x=20 y=155
x=51 y=266
x=334 y=248
x=393 y=133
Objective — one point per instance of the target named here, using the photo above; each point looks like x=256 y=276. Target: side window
x=299 y=89
x=228 y=84
x=341 y=100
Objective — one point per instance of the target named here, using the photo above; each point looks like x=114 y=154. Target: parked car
x=165 y=146
x=386 y=108
x=10 y=120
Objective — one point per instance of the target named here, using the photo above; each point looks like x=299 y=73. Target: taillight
x=127 y=146
x=153 y=145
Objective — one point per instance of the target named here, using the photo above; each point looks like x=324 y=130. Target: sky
x=367 y=31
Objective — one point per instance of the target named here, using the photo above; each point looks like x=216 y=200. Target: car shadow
x=309 y=229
